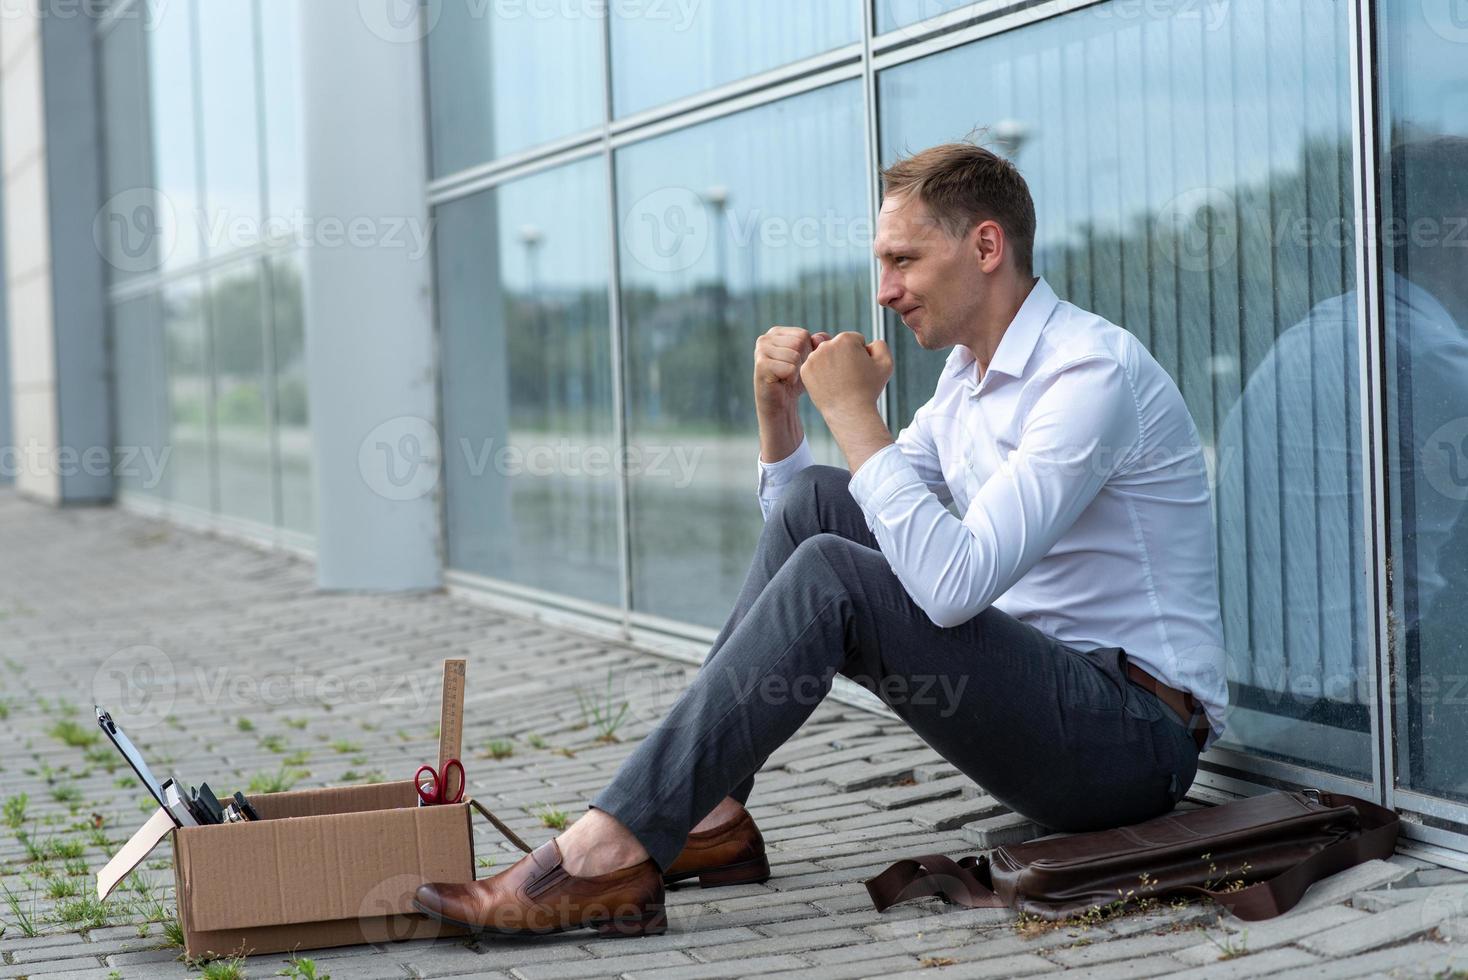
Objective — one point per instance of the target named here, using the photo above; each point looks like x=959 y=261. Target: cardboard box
x=321 y=867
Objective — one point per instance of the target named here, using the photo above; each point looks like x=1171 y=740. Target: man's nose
x=889 y=290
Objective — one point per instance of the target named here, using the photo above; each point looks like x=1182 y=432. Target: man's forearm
x=780 y=433
x=861 y=434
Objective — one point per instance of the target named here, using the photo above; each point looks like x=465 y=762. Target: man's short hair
x=963 y=184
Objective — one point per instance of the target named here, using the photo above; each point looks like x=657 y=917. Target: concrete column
x=54 y=281
x=369 y=314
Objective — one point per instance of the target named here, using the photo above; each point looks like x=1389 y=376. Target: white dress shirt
x=1083 y=490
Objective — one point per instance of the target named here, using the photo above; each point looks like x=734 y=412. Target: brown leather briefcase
x=1254 y=856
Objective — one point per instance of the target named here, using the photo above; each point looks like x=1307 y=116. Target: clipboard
x=130 y=752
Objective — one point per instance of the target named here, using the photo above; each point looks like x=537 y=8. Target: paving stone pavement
x=259 y=679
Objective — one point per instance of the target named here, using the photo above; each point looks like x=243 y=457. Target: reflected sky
x=503 y=77
x=662 y=51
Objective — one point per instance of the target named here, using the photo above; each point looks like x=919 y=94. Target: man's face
x=928 y=277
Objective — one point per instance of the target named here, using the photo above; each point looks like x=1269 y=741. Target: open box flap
x=320 y=868
x=138 y=847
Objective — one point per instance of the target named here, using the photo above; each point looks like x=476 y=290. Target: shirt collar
x=1019 y=339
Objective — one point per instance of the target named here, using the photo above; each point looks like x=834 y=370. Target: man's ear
x=988 y=244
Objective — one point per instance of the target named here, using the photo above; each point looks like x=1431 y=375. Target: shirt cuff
x=880 y=478
x=772 y=476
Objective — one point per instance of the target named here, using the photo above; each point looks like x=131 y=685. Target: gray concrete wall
x=78 y=279
x=59 y=402
x=370 y=344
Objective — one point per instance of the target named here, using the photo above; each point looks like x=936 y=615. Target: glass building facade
x=1271 y=194
x=203 y=174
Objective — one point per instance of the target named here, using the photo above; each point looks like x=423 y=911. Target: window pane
x=245 y=488
x=505 y=76
x=727 y=229
x=186 y=358
x=230 y=121
x=1423 y=161
x=892 y=14
x=292 y=415
x=142 y=407
x=171 y=94
x=664 y=51
x=280 y=58
x=1191 y=178
x=527 y=383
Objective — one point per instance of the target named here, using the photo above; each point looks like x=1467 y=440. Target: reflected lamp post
x=716 y=198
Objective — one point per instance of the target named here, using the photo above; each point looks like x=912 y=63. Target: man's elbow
x=946 y=614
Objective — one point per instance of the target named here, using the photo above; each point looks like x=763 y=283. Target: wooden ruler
x=451 y=714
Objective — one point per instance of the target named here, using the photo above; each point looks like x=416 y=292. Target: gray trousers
x=1061 y=736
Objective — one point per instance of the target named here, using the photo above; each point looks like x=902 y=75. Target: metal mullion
x=614 y=316
x=206 y=309
x=751 y=86
x=754 y=90
x=444 y=193
x=1371 y=353
x=886 y=404
x=142 y=284
x=265 y=269
x=441 y=508
x=500 y=588
x=542 y=157
x=808 y=83
x=1432 y=806
x=1228 y=768
x=898 y=47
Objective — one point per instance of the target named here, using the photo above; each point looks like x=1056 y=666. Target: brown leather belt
x=1184 y=704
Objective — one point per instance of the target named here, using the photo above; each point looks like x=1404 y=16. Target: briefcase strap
x=967 y=881
x=962 y=882
x=499 y=825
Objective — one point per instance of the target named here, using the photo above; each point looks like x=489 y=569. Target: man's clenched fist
x=847 y=374
x=778 y=356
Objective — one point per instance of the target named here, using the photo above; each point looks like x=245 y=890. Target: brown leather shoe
x=732 y=853
x=536 y=895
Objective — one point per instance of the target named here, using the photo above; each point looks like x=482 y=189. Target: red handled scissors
x=441 y=788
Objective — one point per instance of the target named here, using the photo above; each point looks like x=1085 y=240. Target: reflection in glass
x=1423 y=161
x=128 y=167
x=142 y=457
x=240 y=425
x=171 y=95
x=1191 y=181
x=280 y=66
x=893 y=14
x=292 y=415
x=667 y=51
x=727 y=229
x=186 y=360
x=230 y=132
x=484 y=61
x=531 y=485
